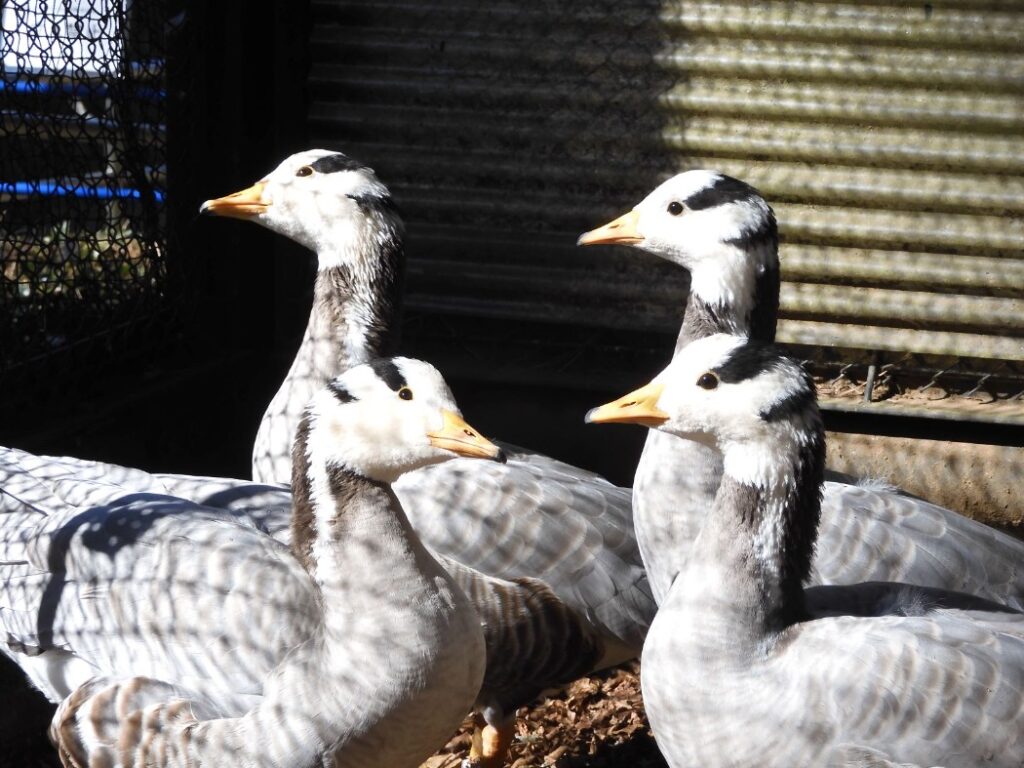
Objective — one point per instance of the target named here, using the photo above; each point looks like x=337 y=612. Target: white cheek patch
x=435 y=419
x=724 y=272
x=371 y=445
x=759 y=451
x=341 y=434
x=728 y=281
x=340 y=234
x=361 y=381
x=753 y=464
x=282 y=218
x=712 y=226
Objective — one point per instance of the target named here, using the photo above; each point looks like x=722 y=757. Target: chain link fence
x=83 y=147
x=916 y=380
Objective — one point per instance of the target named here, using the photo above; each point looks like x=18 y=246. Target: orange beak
x=622 y=231
x=246 y=204
x=458 y=437
x=638 y=407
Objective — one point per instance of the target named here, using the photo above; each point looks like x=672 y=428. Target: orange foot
x=490 y=744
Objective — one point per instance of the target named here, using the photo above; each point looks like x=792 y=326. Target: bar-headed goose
x=724 y=233
x=137 y=615
x=742 y=667
x=336 y=207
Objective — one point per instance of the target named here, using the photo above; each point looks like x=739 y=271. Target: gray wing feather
x=946 y=688
x=869 y=535
x=532 y=518
x=129 y=579
x=536 y=517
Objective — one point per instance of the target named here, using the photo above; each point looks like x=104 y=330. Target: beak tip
x=587 y=419
x=206 y=207
x=581 y=240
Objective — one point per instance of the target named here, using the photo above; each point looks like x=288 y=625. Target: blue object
x=55 y=189
x=77 y=89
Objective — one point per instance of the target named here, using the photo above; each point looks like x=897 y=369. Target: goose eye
x=405 y=393
x=675 y=208
x=304 y=171
x=707 y=381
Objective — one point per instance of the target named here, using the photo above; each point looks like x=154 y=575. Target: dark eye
x=675 y=208
x=304 y=171
x=405 y=393
x=707 y=381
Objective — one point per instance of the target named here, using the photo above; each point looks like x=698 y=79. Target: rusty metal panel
x=888 y=137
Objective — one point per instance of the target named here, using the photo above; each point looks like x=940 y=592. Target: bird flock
x=388 y=569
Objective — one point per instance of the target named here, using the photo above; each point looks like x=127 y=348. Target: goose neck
x=753 y=554
x=737 y=293
x=353 y=311
x=385 y=609
x=345 y=527
x=352 y=320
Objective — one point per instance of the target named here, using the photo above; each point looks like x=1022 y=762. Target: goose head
x=324 y=200
x=389 y=416
x=740 y=396
x=718 y=228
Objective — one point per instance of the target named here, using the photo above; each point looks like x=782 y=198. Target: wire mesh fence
x=917 y=380
x=83 y=148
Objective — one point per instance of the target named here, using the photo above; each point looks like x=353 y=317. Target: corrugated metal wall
x=889 y=138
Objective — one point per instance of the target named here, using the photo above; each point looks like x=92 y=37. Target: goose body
x=353 y=648
x=744 y=667
x=724 y=233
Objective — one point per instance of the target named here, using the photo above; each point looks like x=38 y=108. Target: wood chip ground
x=597 y=722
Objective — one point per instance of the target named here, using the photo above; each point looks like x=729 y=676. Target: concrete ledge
x=985 y=482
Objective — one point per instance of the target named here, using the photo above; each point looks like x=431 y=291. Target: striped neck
x=327 y=501
x=352 y=317
x=358 y=285
x=676 y=479
x=736 y=293
x=754 y=550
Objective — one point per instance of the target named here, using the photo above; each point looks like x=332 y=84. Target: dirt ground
x=598 y=722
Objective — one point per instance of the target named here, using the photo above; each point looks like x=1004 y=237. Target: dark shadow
x=640 y=751
x=26 y=716
x=891 y=599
